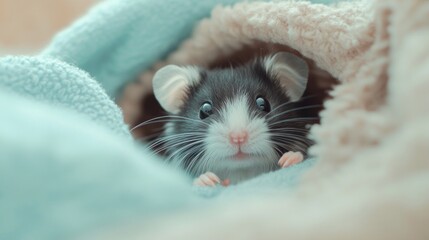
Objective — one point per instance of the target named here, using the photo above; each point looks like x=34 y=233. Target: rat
x=229 y=125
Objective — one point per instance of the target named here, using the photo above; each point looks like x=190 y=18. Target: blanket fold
x=116 y=40
x=69 y=168
x=54 y=82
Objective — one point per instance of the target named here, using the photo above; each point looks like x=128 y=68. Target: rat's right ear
x=171 y=83
x=291 y=71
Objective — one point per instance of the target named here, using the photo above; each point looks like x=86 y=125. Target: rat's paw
x=210 y=179
x=290 y=158
x=207 y=179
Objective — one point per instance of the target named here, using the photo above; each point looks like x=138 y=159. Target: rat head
x=231 y=119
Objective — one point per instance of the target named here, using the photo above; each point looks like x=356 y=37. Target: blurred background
x=27 y=26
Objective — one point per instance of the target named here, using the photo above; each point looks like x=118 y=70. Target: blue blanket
x=68 y=164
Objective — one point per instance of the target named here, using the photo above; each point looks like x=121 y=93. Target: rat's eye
x=206 y=110
x=263 y=104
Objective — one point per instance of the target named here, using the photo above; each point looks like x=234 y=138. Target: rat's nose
x=238 y=137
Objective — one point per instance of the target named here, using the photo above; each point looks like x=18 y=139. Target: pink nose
x=238 y=138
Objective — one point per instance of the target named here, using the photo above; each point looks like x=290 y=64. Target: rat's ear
x=170 y=86
x=291 y=71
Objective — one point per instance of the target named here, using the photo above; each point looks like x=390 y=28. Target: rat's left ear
x=291 y=71
x=171 y=85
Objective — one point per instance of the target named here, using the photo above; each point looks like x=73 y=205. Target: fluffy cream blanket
x=371 y=179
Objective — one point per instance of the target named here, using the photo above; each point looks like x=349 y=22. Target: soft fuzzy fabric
x=116 y=40
x=370 y=180
x=69 y=170
x=68 y=164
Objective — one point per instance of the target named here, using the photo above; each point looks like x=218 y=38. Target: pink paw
x=290 y=158
x=210 y=179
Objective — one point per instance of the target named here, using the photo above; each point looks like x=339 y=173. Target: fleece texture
x=68 y=163
x=69 y=168
x=115 y=41
x=372 y=168
x=62 y=174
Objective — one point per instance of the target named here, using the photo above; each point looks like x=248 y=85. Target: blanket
x=371 y=146
x=69 y=164
x=71 y=170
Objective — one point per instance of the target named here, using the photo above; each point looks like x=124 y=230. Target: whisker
x=286 y=103
x=195 y=156
x=293 y=136
x=148 y=137
x=193 y=162
x=293 y=133
x=166 y=148
x=291 y=139
x=292 y=110
x=180 y=157
x=160 y=121
x=289 y=130
x=168 y=118
x=275 y=147
x=174 y=137
x=292 y=146
x=183 y=149
x=179 y=135
x=171 y=145
x=294 y=120
x=207 y=163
